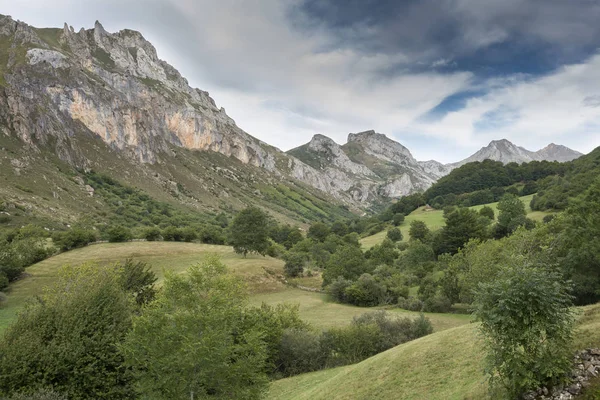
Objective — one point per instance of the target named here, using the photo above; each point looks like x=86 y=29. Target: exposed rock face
x=370 y=165
x=507 y=152
x=557 y=152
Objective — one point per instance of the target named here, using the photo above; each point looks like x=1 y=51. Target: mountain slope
x=506 y=152
x=379 y=166
x=105 y=101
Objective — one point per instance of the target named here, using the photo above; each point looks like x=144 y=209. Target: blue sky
x=443 y=77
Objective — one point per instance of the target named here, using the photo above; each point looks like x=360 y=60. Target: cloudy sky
x=443 y=77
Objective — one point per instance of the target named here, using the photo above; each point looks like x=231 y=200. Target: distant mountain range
x=377 y=161
x=507 y=152
x=76 y=101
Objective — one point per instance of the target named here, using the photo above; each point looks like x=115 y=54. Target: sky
x=442 y=77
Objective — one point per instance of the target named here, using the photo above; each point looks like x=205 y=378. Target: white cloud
x=530 y=112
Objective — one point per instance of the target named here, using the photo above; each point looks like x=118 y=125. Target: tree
x=294 y=264
x=527 y=323
x=191 y=341
x=462 y=224
x=579 y=246
x=250 y=232
x=394 y=234
x=398 y=219
x=418 y=231
x=511 y=215
x=138 y=279
x=348 y=262
x=318 y=231
x=487 y=212
x=67 y=338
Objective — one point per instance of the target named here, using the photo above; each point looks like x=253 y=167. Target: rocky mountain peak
x=382 y=147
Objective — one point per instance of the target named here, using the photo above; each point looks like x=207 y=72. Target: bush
x=189 y=234
x=527 y=322
x=74 y=238
x=437 y=303
x=398 y=219
x=68 y=338
x=487 y=212
x=151 y=234
x=3 y=281
x=300 y=351
x=172 y=234
x=119 y=233
x=410 y=304
x=365 y=292
x=337 y=289
x=394 y=234
x=294 y=265
x=212 y=235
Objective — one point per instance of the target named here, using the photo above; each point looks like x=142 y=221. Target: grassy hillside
x=443 y=366
x=435 y=220
x=261 y=273
x=321 y=313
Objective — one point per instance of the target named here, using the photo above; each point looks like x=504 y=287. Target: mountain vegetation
x=147 y=248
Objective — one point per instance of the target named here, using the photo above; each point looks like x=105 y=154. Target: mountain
x=372 y=165
x=506 y=152
x=557 y=152
x=72 y=102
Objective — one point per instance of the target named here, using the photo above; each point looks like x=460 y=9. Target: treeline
x=109 y=333
x=490 y=174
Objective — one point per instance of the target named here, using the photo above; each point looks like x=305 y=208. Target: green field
x=321 y=313
x=445 y=365
x=434 y=219
x=261 y=273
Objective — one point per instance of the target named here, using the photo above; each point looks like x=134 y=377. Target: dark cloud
x=486 y=37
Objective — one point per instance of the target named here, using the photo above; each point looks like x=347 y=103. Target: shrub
x=193 y=340
x=410 y=304
x=172 y=234
x=3 y=280
x=119 y=233
x=189 y=234
x=398 y=219
x=68 y=337
x=74 y=238
x=527 y=323
x=437 y=303
x=488 y=212
x=365 y=292
x=394 y=234
x=337 y=289
x=300 y=351
x=294 y=265
x=212 y=235
x=273 y=322
x=151 y=234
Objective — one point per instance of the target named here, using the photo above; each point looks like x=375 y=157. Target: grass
x=323 y=314
x=161 y=256
x=445 y=365
x=434 y=219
